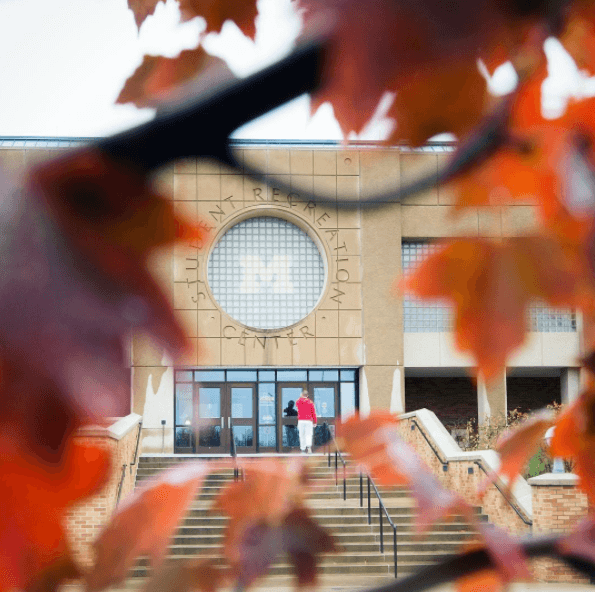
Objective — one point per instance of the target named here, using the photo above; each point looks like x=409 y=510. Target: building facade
x=288 y=293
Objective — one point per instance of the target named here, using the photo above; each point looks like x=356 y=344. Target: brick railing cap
x=116 y=431
x=554 y=480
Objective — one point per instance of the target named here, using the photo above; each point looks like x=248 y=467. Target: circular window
x=266 y=273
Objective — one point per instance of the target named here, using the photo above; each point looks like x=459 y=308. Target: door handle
x=229 y=422
x=222 y=420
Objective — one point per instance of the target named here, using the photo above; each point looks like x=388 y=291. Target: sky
x=64 y=62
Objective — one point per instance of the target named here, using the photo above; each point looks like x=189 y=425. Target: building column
x=570 y=385
x=491 y=397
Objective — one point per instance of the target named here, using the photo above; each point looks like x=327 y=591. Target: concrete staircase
x=201 y=532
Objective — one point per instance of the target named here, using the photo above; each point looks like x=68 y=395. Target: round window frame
x=268 y=212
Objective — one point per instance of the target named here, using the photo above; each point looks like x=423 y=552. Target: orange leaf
x=519 y=444
x=574 y=437
x=34 y=497
x=456 y=104
x=142 y=9
x=482 y=581
x=159 y=79
x=490 y=284
x=144 y=522
x=188 y=576
x=242 y=12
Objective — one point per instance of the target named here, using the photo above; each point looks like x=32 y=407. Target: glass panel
x=241 y=402
x=347 y=400
x=183 y=376
x=324 y=375
x=267 y=437
x=289 y=395
x=209 y=402
x=183 y=438
x=292 y=375
x=323 y=433
x=209 y=436
x=266 y=403
x=209 y=376
x=241 y=375
x=347 y=374
x=183 y=404
x=291 y=437
x=266 y=375
x=316 y=375
x=243 y=435
x=324 y=401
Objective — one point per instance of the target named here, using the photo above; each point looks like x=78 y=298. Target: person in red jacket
x=306 y=421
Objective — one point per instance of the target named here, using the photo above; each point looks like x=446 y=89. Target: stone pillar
x=381 y=264
x=491 y=398
x=558 y=504
x=570 y=385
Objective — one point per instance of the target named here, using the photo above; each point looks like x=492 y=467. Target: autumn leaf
x=518 y=445
x=483 y=581
x=159 y=79
x=216 y=12
x=407 y=48
x=268 y=518
x=581 y=541
x=142 y=9
x=574 y=437
x=187 y=576
x=144 y=522
x=491 y=284
x=77 y=281
x=34 y=496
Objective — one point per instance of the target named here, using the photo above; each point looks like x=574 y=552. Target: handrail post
x=381 y=531
x=140 y=428
x=336 y=467
x=344 y=484
x=395 y=548
x=361 y=490
x=369 y=503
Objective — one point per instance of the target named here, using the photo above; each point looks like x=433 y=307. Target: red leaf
x=159 y=79
x=144 y=523
x=242 y=12
x=581 y=541
x=574 y=437
x=34 y=554
x=142 y=9
x=77 y=280
x=519 y=444
x=491 y=284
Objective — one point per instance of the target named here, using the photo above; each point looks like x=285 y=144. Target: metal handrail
x=140 y=427
x=502 y=489
x=121 y=484
x=381 y=506
x=338 y=456
x=233 y=453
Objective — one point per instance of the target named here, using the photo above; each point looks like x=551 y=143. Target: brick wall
x=84 y=520
x=557 y=506
x=464 y=477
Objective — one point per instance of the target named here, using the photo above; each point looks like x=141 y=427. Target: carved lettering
x=291 y=338
x=343 y=246
x=333 y=233
x=229 y=199
x=342 y=275
x=218 y=212
x=258 y=193
x=226 y=332
x=305 y=331
x=292 y=199
x=276 y=194
x=242 y=339
x=261 y=340
x=193 y=260
x=337 y=295
x=322 y=218
x=311 y=208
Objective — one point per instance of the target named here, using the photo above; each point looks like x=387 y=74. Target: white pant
x=305 y=428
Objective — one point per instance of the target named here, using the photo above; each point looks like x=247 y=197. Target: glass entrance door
x=223 y=410
x=289 y=437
